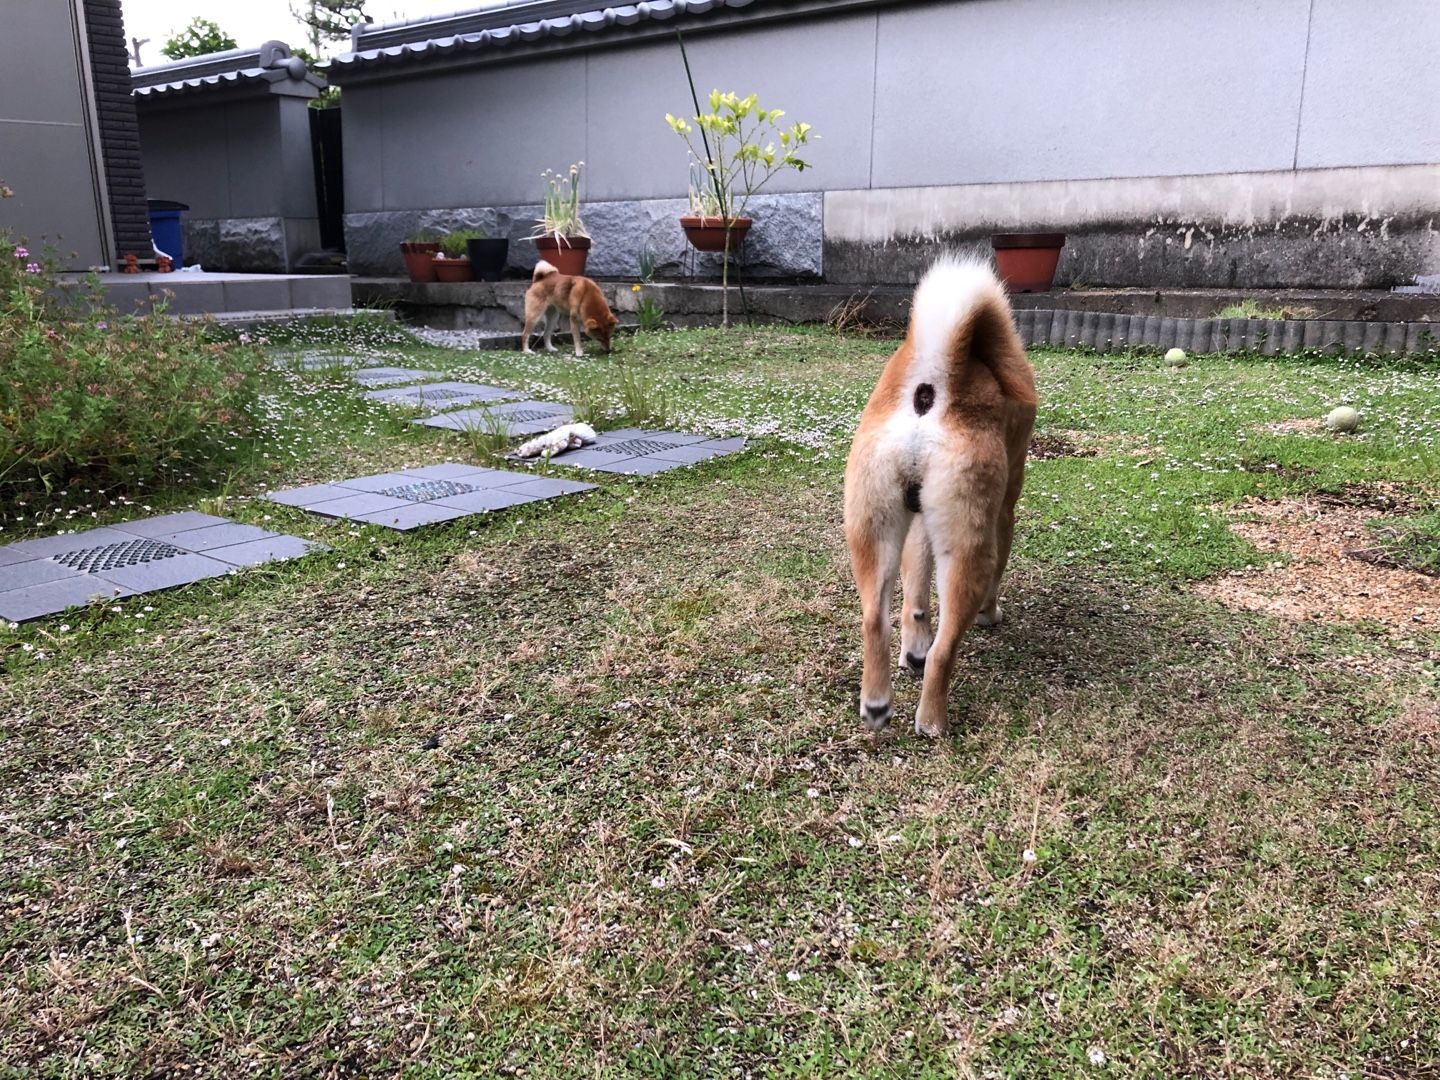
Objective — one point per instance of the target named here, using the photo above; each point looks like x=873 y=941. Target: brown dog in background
x=931 y=483
x=552 y=293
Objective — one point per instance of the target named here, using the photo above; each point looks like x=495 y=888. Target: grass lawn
x=579 y=789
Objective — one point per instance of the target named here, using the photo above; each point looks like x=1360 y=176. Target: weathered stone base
x=263 y=245
x=1344 y=228
x=786 y=240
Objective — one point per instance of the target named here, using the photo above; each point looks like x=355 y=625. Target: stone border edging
x=1267 y=337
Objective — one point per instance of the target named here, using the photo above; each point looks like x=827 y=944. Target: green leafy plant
x=455 y=245
x=744 y=148
x=488 y=437
x=561 y=215
x=200 y=38
x=644 y=400
x=89 y=393
x=648 y=260
x=652 y=315
x=423 y=236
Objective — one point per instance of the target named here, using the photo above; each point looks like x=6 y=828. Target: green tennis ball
x=1175 y=358
x=1344 y=420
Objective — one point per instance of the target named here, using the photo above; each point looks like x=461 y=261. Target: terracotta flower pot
x=568 y=254
x=452 y=270
x=419 y=259
x=1026 y=261
x=708 y=233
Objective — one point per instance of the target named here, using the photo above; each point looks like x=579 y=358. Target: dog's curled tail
x=543 y=269
x=961 y=316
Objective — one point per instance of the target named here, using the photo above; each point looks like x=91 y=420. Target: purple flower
x=33 y=268
x=244 y=338
x=102 y=325
x=22 y=253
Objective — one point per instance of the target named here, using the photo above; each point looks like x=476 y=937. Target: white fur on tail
x=569 y=437
x=543 y=269
x=951 y=289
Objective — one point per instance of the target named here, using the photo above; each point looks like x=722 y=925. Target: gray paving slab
x=21 y=605
x=414 y=515
x=33 y=572
x=305 y=497
x=272 y=548
x=450 y=471
x=46 y=546
x=7 y=557
x=356 y=504
x=638 y=452
x=167 y=524
x=216 y=536
x=385 y=376
x=441 y=395
x=410 y=498
x=182 y=569
x=515 y=418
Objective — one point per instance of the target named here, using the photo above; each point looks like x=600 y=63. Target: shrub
x=114 y=399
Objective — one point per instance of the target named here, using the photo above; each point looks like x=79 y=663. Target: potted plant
x=452 y=264
x=488 y=255
x=1026 y=261
x=705 y=226
x=418 y=251
x=560 y=235
x=740 y=157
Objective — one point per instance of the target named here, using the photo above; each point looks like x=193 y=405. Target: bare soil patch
x=1300 y=425
x=1331 y=576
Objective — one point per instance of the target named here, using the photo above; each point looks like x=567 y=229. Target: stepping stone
x=411 y=498
x=388 y=376
x=316 y=361
x=442 y=394
x=514 y=418
x=636 y=452
x=41 y=577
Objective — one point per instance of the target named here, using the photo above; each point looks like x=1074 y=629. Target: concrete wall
x=242 y=163
x=1232 y=142
x=49 y=143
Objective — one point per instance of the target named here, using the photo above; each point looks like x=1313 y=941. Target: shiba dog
x=932 y=479
x=552 y=293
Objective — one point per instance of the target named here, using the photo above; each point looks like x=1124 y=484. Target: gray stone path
x=442 y=394
x=316 y=361
x=40 y=577
x=388 y=376
x=411 y=498
x=515 y=418
x=637 y=452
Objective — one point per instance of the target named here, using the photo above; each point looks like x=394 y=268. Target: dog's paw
x=912 y=663
x=991 y=618
x=931 y=724
x=876 y=716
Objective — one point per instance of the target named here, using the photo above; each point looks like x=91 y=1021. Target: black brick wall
x=119 y=128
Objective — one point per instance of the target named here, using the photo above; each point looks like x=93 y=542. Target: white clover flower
x=1028 y=855
x=1096 y=1055
x=793 y=976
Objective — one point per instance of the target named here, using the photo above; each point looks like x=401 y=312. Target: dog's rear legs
x=876 y=536
x=966 y=574
x=917 y=567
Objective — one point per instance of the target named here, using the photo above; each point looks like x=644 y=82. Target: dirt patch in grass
x=1058 y=444
x=1330 y=576
x=1299 y=425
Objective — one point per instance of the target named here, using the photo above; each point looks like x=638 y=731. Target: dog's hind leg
x=917 y=567
x=876 y=536
x=965 y=561
x=551 y=318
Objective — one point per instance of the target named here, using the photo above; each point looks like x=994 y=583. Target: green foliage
x=117 y=399
x=652 y=315
x=1412 y=543
x=456 y=244
x=646 y=402
x=561 y=216
x=424 y=236
x=328 y=20
x=1250 y=308
x=743 y=155
x=200 y=38
x=648 y=261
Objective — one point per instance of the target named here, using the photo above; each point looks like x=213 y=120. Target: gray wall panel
x=1372 y=86
x=1006 y=90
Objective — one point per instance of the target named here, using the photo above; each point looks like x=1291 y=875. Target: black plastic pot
x=487 y=258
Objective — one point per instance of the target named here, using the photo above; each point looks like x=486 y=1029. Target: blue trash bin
x=165 y=228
